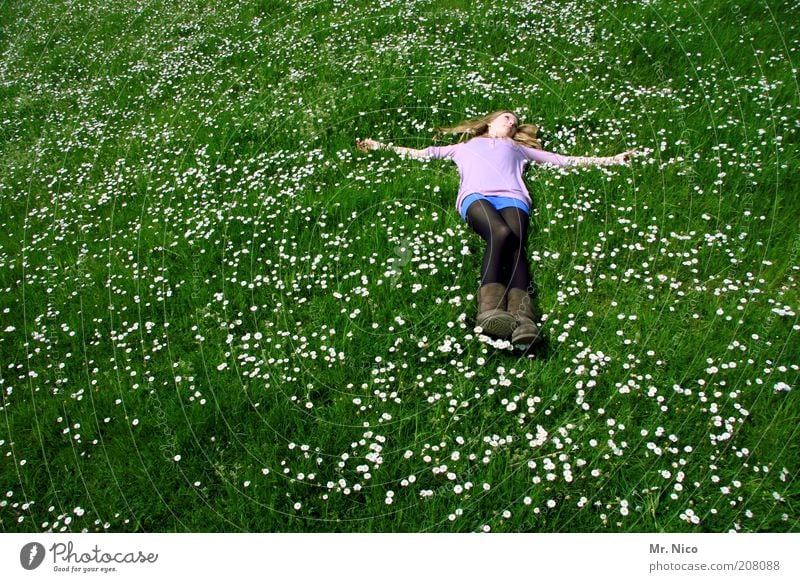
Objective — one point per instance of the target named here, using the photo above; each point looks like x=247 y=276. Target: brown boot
x=492 y=314
x=519 y=305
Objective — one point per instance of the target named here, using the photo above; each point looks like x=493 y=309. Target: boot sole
x=525 y=337
x=500 y=325
x=525 y=341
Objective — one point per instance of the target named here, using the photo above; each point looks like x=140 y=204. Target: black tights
x=506 y=233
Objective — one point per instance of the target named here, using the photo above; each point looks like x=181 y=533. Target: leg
x=490 y=225
x=517 y=220
x=519 y=302
x=492 y=316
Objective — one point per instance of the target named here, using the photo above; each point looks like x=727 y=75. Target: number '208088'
x=758 y=565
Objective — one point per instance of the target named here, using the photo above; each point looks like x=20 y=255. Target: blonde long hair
x=478 y=126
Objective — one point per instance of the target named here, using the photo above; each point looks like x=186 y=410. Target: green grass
x=180 y=190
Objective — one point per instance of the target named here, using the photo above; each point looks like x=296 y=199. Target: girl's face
x=504 y=125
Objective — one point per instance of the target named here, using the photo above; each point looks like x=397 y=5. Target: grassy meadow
x=218 y=315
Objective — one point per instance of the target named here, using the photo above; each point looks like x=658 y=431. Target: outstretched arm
x=619 y=159
x=370 y=144
x=544 y=157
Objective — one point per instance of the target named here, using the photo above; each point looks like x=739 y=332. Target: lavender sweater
x=494 y=166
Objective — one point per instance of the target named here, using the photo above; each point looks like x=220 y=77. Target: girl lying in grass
x=495 y=203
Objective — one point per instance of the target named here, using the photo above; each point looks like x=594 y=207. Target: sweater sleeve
x=441 y=152
x=543 y=157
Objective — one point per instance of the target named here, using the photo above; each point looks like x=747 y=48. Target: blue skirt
x=499 y=202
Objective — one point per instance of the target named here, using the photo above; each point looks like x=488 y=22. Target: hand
x=626 y=157
x=367 y=144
